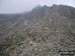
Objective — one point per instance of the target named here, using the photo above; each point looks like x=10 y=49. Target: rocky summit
x=41 y=32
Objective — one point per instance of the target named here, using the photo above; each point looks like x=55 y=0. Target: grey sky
x=16 y=6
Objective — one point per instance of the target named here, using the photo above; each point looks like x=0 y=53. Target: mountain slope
x=42 y=32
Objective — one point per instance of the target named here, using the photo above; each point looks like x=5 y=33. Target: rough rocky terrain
x=41 y=32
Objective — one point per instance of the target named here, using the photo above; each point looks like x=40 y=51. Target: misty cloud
x=16 y=6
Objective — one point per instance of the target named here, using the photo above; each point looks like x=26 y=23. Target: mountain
x=43 y=31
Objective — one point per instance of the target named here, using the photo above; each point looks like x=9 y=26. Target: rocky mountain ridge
x=41 y=32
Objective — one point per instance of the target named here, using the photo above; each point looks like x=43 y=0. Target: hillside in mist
x=41 y=32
